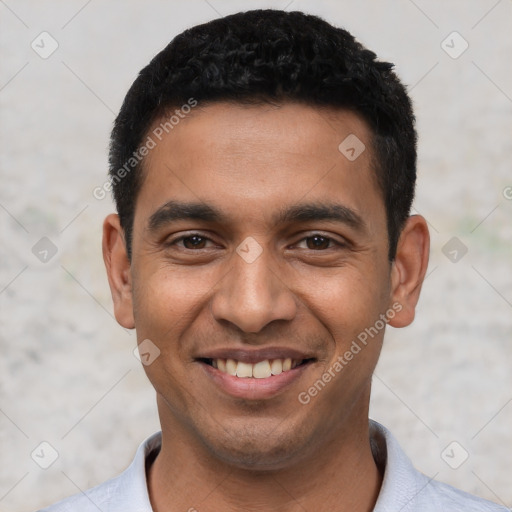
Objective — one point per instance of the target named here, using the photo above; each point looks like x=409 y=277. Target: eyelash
x=191 y=235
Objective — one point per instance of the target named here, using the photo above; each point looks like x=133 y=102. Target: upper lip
x=255 y=355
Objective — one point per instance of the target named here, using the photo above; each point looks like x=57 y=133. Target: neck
x=340 y=475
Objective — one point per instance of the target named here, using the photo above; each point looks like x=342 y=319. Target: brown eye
x=317 y=242
x=194 y=242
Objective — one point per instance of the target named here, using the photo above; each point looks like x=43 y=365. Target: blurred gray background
x=68 y=376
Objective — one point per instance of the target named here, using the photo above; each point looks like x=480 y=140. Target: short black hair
x=273 y=56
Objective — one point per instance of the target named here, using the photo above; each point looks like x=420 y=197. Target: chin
x=253 y=448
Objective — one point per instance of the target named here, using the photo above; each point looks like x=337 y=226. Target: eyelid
x=173 y=241
x=304 y=237
x=332 y=239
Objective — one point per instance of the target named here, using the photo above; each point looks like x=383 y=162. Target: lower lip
x=251 y=388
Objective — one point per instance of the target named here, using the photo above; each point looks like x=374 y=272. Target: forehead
x=253 y=160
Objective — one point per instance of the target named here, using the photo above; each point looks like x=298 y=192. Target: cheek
x=169 y=305
x=163 y=310
x=349 y=307
x=166 y=300
x=349 y=300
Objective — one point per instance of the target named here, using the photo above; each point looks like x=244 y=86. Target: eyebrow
x=174 y=211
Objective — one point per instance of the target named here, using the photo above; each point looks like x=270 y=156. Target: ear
x=408 y=269
x=118 y=270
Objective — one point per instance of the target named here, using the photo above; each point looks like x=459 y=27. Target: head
x=248 y=233
x=269 y=56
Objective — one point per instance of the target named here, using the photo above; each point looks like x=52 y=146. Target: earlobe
x=118 y=270
x=409 y=269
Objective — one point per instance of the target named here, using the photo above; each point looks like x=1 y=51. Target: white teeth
x=260 y=370
x=221 y=365
x=244 y=369
x=276 y=367
x=231 y=367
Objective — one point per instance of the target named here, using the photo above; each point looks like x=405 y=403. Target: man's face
x=272 y=275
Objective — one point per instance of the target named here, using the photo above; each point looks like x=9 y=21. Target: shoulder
x=91 y=500
x=444 y=497
x=406 y=489
x=127 y=491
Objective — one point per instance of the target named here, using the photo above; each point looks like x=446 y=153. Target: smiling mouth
x=261 y=370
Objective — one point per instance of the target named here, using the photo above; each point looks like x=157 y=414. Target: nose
x=252 y=295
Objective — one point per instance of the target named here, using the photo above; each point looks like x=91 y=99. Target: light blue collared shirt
x=404 y=489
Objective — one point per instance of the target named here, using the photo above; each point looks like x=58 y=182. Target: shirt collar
x=401 y=483
x=132 y=483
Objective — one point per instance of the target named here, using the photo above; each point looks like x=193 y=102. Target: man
x=263 y=167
